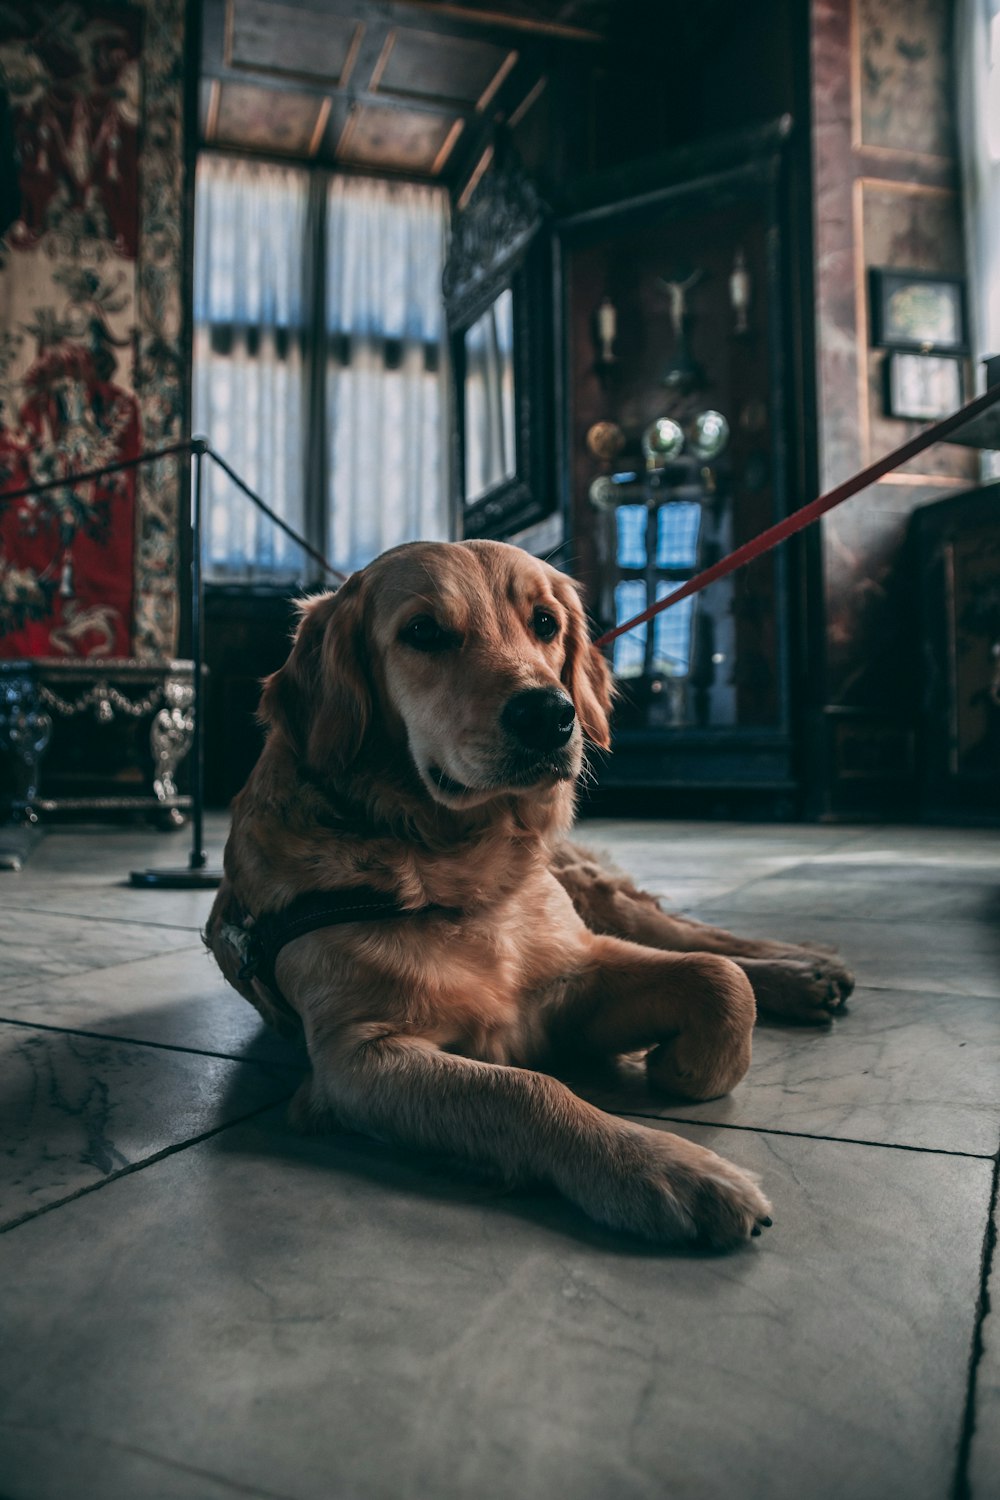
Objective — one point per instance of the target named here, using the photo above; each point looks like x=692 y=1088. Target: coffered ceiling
x=397 y=86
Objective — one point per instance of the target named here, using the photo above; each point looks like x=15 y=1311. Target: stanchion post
x=198 y=858
x=195 y=876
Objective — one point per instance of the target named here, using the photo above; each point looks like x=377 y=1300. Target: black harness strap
x=260 y=944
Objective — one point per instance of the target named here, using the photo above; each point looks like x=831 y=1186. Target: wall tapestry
x=91 y=323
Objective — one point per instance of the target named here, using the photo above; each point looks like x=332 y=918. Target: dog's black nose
x=541 y=718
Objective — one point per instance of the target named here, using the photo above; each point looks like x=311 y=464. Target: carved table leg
x=25 y=731
x=170 y=737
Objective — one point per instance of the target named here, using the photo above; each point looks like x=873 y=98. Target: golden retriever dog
x=425 y=737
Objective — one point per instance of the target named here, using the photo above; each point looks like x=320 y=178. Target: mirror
x=490 y=443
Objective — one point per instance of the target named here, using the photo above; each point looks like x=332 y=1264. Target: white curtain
x=977 y=30
x=250 y=394
x=386 y=400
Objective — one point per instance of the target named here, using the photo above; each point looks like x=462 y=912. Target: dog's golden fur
x=390 y=762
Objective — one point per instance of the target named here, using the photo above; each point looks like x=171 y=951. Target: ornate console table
x=106 y=735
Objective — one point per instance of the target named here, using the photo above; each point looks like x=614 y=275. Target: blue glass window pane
x=630 y=599
x=672 y=634
x=631 y=536
x=677 y=530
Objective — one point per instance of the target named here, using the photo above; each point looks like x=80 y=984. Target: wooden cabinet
x=673 y=312
x=97 y=736
x=955 y=550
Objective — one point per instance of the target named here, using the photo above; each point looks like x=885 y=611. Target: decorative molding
x=170 y=736
x=25 y=730
x=490 y=237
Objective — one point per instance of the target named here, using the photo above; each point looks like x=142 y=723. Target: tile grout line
x=961 y=1489
x=17 y=985
x=87 y=916
x=237 y=1487
x=710 y=914
x=140 y=1166
x=804 y=1135
x=135 y=1041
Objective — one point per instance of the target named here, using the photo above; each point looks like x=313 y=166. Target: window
x=319 y=363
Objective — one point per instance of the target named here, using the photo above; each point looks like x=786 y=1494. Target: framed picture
x=918 y=310
x=923 y=387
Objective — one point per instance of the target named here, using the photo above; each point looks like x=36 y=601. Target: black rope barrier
x=43 y=486
x=189 y=446
x=195 y=875
x=241 y=484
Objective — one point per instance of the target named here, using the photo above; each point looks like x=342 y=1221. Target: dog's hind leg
x=791 y=982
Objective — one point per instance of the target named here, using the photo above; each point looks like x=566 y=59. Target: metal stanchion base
x=176 y=880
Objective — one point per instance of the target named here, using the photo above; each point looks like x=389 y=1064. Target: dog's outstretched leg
x=527 y=1125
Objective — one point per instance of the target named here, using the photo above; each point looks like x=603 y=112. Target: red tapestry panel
x=68 y=311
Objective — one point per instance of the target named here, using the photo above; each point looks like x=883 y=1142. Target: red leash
x=799 y=519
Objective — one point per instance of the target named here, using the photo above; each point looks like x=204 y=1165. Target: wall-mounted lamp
x=606 y=331
x=740 y=291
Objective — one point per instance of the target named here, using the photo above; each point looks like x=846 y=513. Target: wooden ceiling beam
x=295 y=83
x=440 y=16
x=525 y=78
x=502 y=20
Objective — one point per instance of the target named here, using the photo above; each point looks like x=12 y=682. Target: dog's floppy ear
x=585 y=674
x=320 y=699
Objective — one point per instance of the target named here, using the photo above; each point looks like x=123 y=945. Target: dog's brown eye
x=425 y=634
x=544 y=624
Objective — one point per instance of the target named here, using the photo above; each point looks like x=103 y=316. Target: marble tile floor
x=196 y=1303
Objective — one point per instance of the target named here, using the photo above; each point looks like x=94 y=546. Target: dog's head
x=473 y=657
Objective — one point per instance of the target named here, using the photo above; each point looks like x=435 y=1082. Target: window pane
x=250 y=221
x=630 y=599
x=677 y=530
x=386 y=372
x=385 y=256
x=631 y=522
x=249 y=370
x=489 y=398
x=672 y=634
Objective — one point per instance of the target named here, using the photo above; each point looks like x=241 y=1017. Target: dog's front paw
x=810 y=988
x=674 y=1192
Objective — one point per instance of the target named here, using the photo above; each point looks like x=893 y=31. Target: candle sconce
x=740 y=293
x=683 y=374
x=605 y=328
